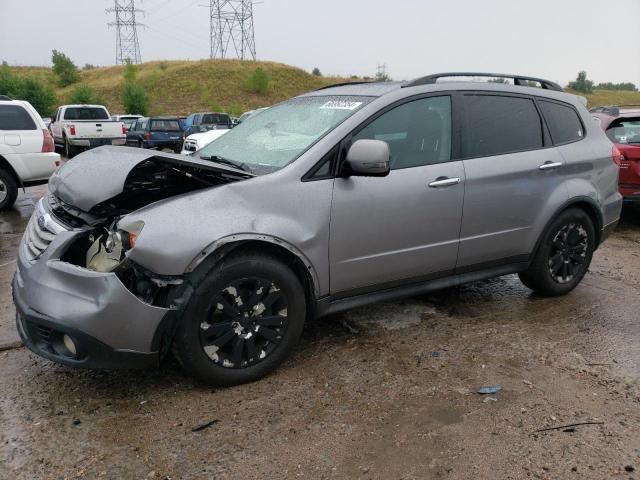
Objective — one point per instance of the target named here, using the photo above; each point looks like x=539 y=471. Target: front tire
x=563 y=256
x=242 y=322
x=8 y=190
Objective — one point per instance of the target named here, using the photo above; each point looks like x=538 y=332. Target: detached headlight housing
x=109 y=250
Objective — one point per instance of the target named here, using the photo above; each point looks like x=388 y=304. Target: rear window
x=215 y=119
x=497 y=125
x=563 y=121
x=14 y=117
x=626 y=130
x=165 y=125
x=85 y=113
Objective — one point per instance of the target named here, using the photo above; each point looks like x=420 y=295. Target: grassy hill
x=182 y=87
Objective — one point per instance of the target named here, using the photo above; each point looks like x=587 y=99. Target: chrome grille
x=40 y=232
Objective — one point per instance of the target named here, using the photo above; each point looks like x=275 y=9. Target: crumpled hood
x=98 y=175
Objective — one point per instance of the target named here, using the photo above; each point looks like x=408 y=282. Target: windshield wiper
x=226 y=161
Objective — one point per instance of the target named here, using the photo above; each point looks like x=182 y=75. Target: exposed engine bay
x=102 y=244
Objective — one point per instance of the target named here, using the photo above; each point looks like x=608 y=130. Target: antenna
x=127 y=46
x=231 y=28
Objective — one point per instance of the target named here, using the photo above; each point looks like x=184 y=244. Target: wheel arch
x=5 y=165
x=284 y=251
x=586 y=204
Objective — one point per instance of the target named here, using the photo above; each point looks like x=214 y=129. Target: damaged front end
x=95 y=192
x=80 y=300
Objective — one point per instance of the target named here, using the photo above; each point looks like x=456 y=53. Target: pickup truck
x=81 y=127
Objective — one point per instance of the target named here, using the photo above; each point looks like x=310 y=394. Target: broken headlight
x=108 y=249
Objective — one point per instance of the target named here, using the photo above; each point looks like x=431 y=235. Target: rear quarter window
x=496 y=125
x=14 y=117
x=563 y=121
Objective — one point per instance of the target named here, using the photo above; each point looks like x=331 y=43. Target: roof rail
x=520 y=80
x=4 y=97
x=341 y=85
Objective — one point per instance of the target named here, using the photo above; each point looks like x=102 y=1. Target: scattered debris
x=436 y=354
x=560 y=427
x=10 y=346
x=527 y=382
x=569 y=430
x=206 y=425
x=629 y=468
x=597 y=364
x=489 y=399
x=464 y=391
x=489 y=390
x=76 y=422
x=349 y=326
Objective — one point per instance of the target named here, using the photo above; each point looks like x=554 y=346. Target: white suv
x=27 y=155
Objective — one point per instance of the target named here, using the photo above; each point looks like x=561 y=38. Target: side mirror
x=367 y=158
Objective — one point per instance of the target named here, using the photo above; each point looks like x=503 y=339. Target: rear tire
x=69 y=150
x=563 y=256
x=242 y=322
x=8 y=190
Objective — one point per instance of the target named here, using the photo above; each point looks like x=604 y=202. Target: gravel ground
x=386 y=391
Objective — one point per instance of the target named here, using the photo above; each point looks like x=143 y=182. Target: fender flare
x=239 y=238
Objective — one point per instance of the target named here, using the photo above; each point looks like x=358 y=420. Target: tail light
x=124 y=129
x=72 y=129
x=147 y=136
x=47 y=142
x=617 y=156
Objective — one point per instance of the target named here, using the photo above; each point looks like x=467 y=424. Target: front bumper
x=113 y=327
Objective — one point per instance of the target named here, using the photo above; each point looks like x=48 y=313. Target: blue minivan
x=157 y=133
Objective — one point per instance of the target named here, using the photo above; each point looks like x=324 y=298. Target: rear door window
x=496 y=125
x=14 y=117
x=563 y=121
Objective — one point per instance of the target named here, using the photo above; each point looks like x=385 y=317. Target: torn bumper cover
x=61 y=307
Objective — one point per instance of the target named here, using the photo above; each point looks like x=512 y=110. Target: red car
x=622 y=126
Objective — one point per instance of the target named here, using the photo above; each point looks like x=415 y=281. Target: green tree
x=627 y=86
x=9 y=83
x=40 y=96
x=581 y=84
x=258 y=82
x=88 y=66
x=84 y=94
x=64 y=69
x=135 y=99
x=316 y=71
x=134 y=95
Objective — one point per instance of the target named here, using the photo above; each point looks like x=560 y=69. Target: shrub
x=64 y=69
x=40 y=96
x=316 y=71
x=84 y=94
x=135 y=99
x=130 y=71
x=259 y=82
x=581 y=84
x=88 y=66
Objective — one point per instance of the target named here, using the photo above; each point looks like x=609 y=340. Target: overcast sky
x=547 y=38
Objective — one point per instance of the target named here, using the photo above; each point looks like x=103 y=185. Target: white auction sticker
x=341 y=105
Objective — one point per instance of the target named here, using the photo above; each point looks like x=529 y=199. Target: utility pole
x=127 y=46
x=231 y=29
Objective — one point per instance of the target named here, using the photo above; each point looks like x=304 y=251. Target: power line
x=231 y=29
x=127 y=45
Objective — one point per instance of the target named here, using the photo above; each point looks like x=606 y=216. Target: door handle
x=550 y=165
x=444 y=182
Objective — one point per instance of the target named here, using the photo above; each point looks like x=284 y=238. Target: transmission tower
x=231 y=23
x=127 y=46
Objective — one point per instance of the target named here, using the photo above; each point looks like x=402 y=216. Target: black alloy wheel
x=247 y=320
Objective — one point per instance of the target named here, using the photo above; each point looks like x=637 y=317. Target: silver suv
x=344 y=196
